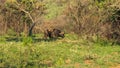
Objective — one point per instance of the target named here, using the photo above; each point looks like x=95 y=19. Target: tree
x=26 y=12
x=83 y=13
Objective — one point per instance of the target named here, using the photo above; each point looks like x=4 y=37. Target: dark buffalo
x=57 y=33
x=54 y=33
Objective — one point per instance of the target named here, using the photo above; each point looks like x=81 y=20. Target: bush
x=94 y=17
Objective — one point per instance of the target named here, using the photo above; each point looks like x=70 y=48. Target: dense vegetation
x=92 y=34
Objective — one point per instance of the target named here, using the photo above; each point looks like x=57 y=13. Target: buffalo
x=54 y=33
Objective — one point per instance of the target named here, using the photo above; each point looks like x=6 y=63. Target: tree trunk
x=31 y=28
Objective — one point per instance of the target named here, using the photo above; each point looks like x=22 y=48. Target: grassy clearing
x=70 y=52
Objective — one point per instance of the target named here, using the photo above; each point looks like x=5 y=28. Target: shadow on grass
x=35 y=39
x=10 y=39
x=46 y=40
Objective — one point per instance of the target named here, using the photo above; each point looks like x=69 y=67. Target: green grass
x=70 y=52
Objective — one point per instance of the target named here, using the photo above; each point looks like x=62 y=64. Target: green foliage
x=116 y=13
x=53 y=9
x=28 y=4
x=101 y=3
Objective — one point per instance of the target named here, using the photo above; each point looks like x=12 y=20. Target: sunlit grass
x=69 y=52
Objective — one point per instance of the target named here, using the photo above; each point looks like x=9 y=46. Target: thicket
x=95 y=18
